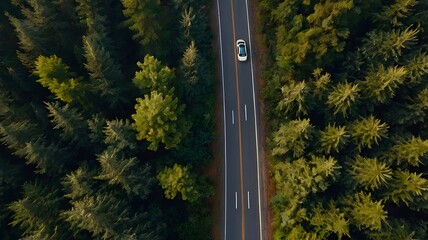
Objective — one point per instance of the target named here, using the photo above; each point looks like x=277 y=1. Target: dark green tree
x=126 y=172
x=37 y=213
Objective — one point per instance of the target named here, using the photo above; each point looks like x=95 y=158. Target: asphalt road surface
x=241 y=203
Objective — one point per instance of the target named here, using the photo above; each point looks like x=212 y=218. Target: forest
x=106 y=119
x=347 y=108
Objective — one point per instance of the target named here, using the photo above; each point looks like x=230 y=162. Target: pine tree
x=368 y=131
x=120 y=134
x=411 y=151
x=294 y=99
x=153 y=76
x=328 y=221
x=190 y=61
x=381 y=85
x=159 y=119
x=417 y=67
x=178 y=179
x=333 y=138
x=388 y=45
x=37 y=213
x=187 y=18
x=370 y=173
x=48 y=158
x=406 y=186
x=343 y=97
x=55 y=75
x=125 y=172
x=104 y=71
x=69 y=121
x=366 y=213
x=292 y=137
x=79 y=183
x=102 y=215
x=393 y=13
x=143 y=19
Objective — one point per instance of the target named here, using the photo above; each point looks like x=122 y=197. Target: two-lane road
x=242 y=212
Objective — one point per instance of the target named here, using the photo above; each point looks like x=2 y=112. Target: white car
x=242 y=50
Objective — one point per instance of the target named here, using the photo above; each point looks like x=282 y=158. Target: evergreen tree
x=37 y=213
x=333 y=138
x=417 y=67
x=328 y=221
x=79 y=183
x=159 y=119
x=381 y=85
x=125 y=172
x=120 y=134
x=366 y=213
x=406 y=186
x=105 y=73
x=395 y=12
x=368 y=131
x=153 y=76
x=190 y=61
x=388 y=45
x=370 y=173
x=343 y=97
x=69 y=121
x=412 y=112
x=294 y=99
x=104 y=216
x=178 y=179
x=411 y=151
x=55 y=75
x=292 y=137
x=143 y=20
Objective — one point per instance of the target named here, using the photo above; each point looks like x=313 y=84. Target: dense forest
x=347 y=109
x=106 y=119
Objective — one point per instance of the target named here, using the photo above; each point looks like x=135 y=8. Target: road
x=241 y=203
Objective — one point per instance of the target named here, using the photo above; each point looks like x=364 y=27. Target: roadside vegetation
x=347 y=109
x=106 y=117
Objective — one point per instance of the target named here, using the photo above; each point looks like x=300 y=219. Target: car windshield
x=241 y=50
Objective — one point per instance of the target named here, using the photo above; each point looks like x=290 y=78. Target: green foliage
x=55 y=75
x=328 y=221
x=389 y=45
x=159 y=119
x=293 y=98
x=102 y=215
x=153 y=76
x=411 y=151
x=37 y=212
x=143 y=19
x=295 y=181
x=120 y=134
x=370 y=173
x=125 y=172
x=381 y=85
x=333 y=138
x=342 y=98
x=366 y=213
x=68 y=120
x=189 y=61
x=79 y=183
x=178 y=179
x=406 y=186
x=292 y=137
x=368 y=131
x=397 y=11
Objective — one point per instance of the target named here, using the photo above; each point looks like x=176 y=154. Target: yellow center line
x=239 y=126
